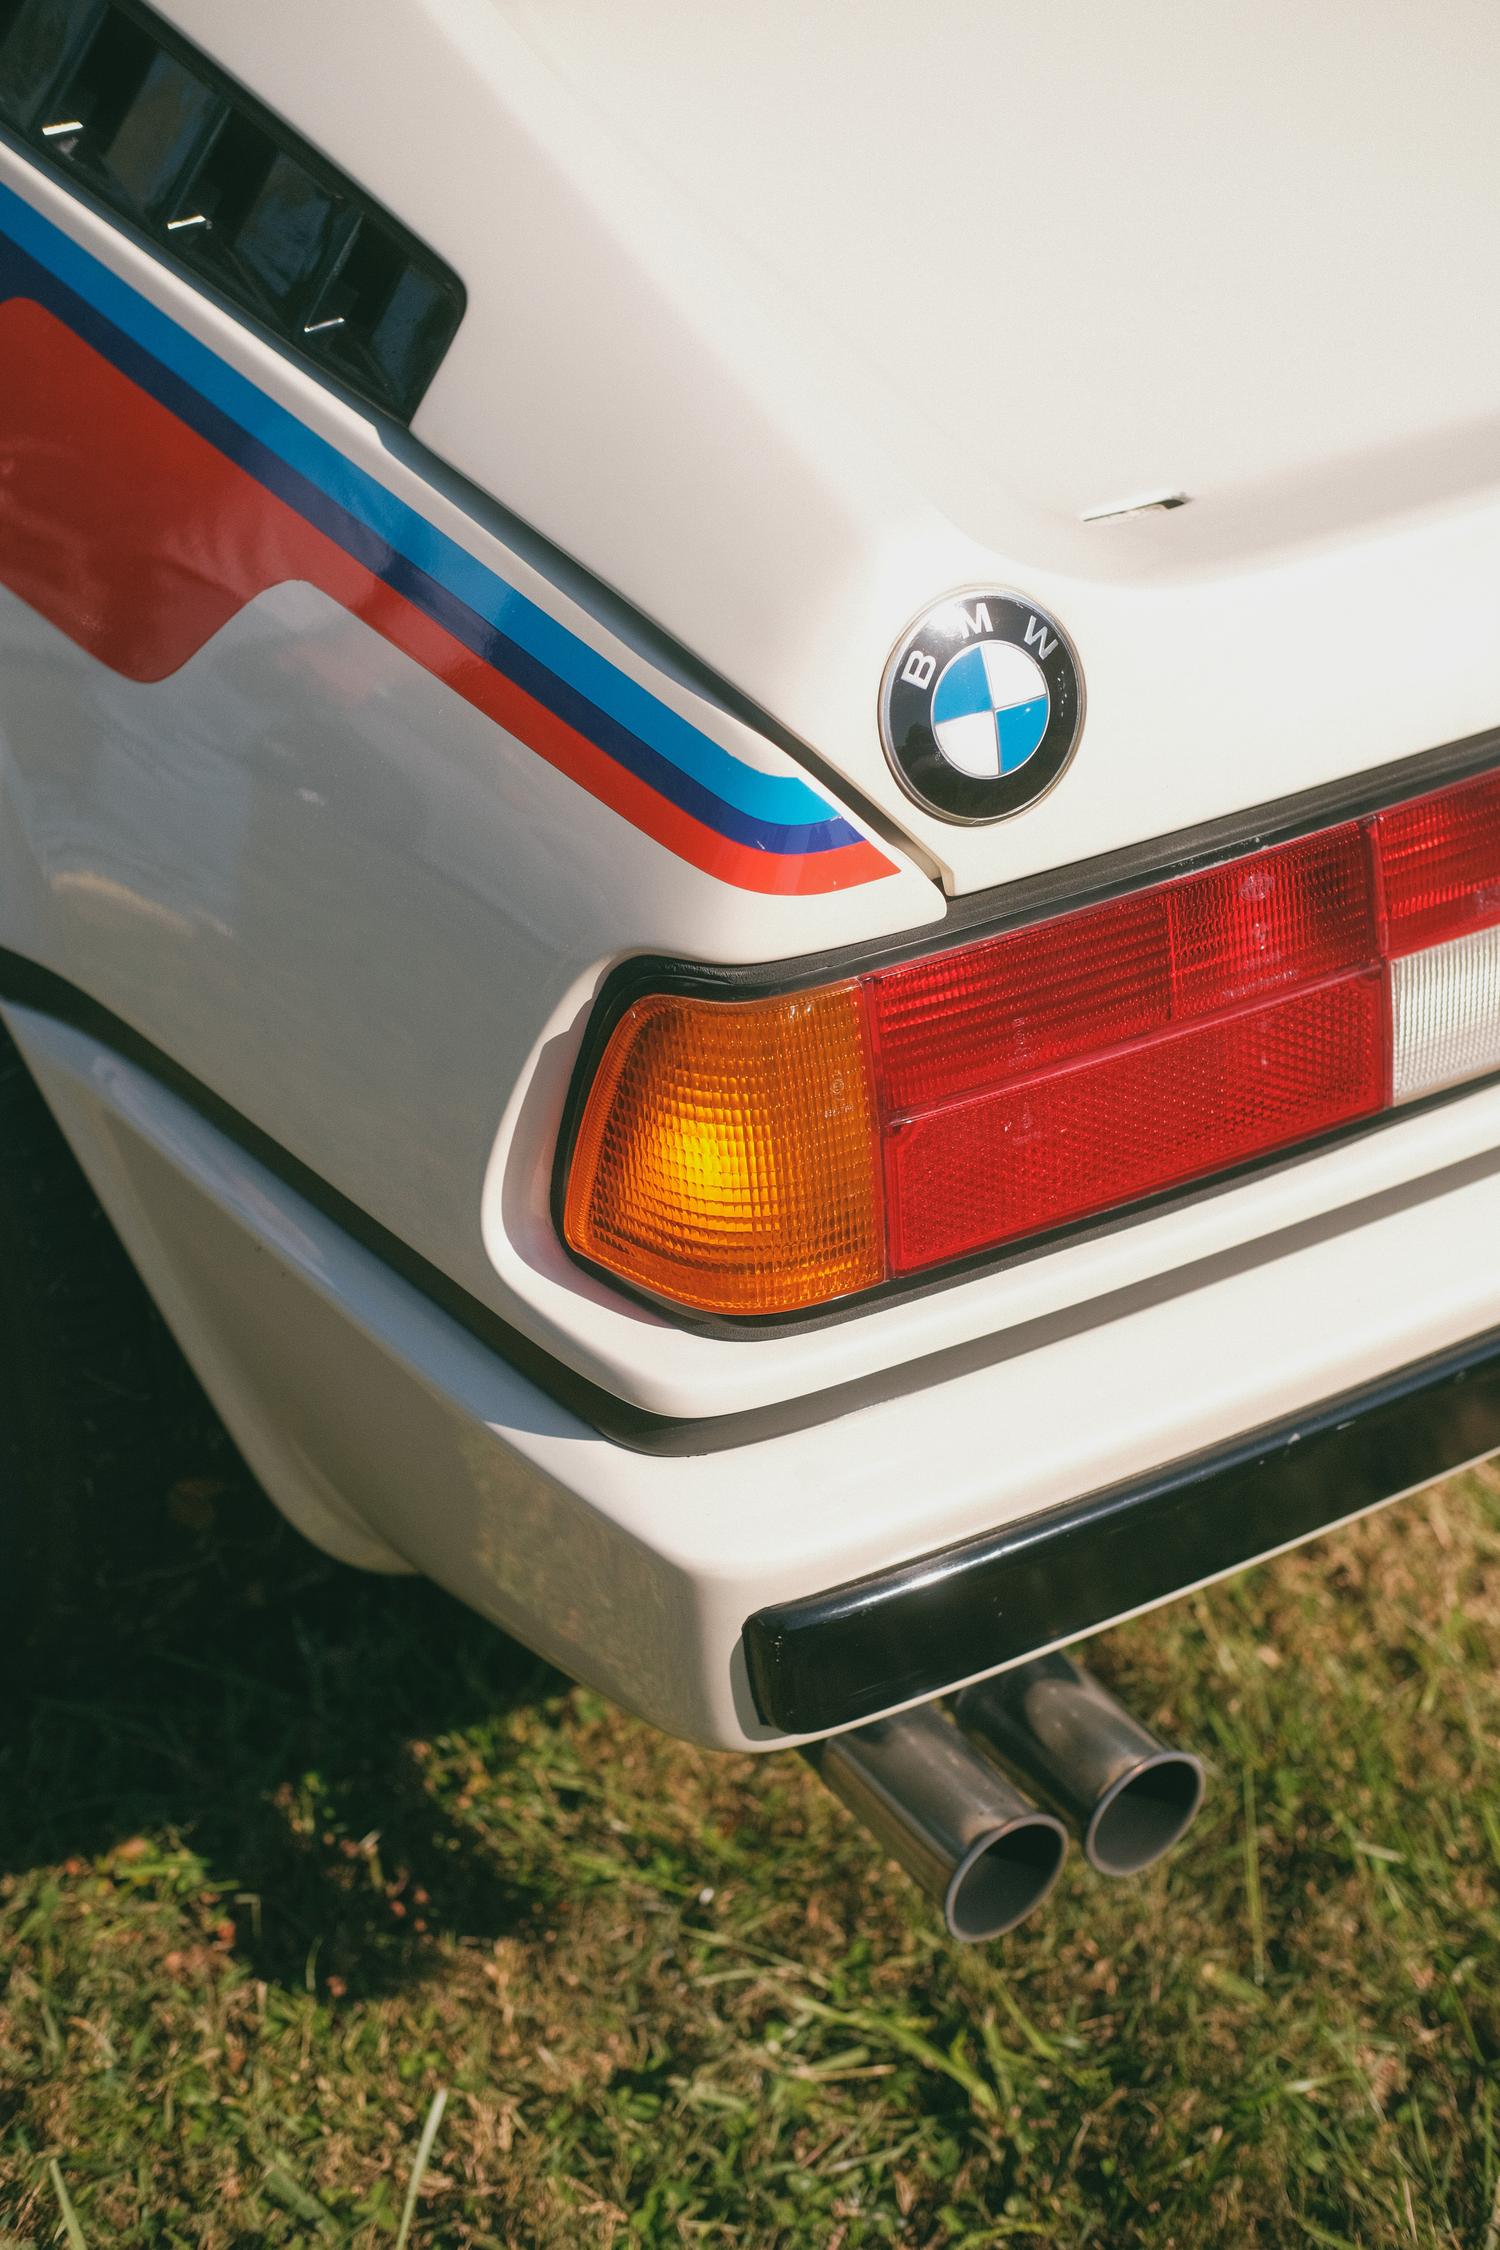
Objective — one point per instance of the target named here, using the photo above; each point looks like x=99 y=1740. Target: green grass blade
x=71 y=2226
x=419 y=2169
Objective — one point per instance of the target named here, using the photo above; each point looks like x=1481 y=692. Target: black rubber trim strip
x=27 y=985
x=970 y=919
x=834 y=1658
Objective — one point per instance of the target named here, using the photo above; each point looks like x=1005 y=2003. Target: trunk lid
x=1096 y=253
x=786 y=321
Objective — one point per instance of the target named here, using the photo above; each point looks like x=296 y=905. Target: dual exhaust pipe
x=942 y=1798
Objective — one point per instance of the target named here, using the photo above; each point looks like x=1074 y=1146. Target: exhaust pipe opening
x=980 y=1850
x=1145 y=1814
x=1003 y=1878
x=1128 y=1796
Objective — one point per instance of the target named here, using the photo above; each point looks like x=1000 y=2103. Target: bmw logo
x=981 y=705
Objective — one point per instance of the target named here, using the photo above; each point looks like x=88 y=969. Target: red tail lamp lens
x=763 y=1156
x=1440 y=865
x=1014 y=1005
x=1151 y=1115
x=1051 y=1073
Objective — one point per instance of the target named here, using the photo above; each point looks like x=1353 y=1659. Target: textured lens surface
x=728 y=1157
x=1278 y=918
x=1060 y=1146
x=767 y=1156
x=1445 y=1015
x=962 y=1021
x=1440 y=865
x=959 y=1022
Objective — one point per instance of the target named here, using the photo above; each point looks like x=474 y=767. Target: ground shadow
x=218 y=1678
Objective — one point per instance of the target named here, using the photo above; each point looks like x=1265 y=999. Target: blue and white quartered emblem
x=981 y=705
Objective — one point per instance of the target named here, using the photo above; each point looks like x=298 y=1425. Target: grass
x=291 y=1859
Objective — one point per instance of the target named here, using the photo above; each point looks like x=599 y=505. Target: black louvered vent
x=115 y=101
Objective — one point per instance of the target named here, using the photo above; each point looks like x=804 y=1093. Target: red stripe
x=400 y=622
x=140 y=540
x=132 y=534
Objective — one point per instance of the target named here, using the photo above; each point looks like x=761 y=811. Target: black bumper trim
x=833 y=1658
x=26 y=984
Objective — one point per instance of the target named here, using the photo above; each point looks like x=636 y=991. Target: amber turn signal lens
x=728 y=1156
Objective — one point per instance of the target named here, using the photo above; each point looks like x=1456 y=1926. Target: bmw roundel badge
x=981 y=705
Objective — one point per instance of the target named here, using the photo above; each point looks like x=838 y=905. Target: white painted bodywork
x=701 y=360
x=1259 y=249
x=374 y=1418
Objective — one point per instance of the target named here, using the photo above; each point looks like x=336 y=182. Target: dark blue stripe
x=22 y=273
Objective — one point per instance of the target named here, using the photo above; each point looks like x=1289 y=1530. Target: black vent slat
x=291 y=233
x=262 y=222
x=166 y=128
x=228 y=177
x=114 y=100
x=375 y=307
x=38 y=39
x=103 y=85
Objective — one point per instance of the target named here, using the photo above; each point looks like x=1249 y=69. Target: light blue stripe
x=779 y=800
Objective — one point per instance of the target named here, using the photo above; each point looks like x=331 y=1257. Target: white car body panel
x=754 y=479
x=325 y=884
x=347 y=904
x=352 y=1396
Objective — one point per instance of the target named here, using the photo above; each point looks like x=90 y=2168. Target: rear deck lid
x=1100 y=253
x=1005 y=271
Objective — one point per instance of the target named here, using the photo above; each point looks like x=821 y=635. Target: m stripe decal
x=244 y=496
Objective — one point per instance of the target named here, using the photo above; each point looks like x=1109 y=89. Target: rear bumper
x=829 y=1660
x=394 y=1435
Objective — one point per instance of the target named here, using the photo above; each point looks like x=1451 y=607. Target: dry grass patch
x=280 y=1865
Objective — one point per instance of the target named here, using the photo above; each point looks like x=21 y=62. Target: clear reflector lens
x=1445 y=1015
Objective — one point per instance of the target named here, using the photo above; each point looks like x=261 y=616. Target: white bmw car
x=750 y=823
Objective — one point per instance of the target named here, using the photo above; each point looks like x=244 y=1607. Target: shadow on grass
x=226 y=1685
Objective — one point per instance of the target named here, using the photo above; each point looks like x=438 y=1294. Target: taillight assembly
x=763 y=1156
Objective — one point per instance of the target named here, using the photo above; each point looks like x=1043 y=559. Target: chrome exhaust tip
x=980 y=1850
x=1128 y=1796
